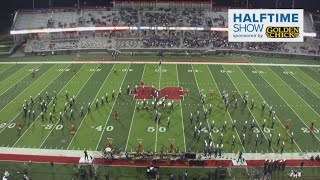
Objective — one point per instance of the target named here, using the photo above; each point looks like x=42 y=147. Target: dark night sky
x=7 y=7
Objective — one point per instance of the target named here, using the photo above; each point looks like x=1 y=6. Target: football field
x=292 y=91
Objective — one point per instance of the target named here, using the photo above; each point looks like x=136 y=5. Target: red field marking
x=174 y=93
x=38 y=158
x=101 y=161
x=290 y=162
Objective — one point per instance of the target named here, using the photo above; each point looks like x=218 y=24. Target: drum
x=108 y=150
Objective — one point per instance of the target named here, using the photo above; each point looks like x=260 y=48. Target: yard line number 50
x=153 y=129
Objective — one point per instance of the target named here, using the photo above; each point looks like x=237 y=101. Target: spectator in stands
x=171 y=177
x=106 y=176
x=90 y=172
x=240 y=157
x=86 y=157
x=301 y=165
x=6 y=175
x=284 y=163
x=53 y=168
x=25 y=177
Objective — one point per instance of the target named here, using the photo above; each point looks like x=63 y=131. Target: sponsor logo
x=265 y=25
x=282 y=32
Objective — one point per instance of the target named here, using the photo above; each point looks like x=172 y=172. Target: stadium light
x=48 y=30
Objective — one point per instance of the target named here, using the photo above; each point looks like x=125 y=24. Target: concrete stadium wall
x=180 y=51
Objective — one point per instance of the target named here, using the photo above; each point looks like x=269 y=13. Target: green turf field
x=292 y=91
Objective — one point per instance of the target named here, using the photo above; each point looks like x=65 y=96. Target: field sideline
x=293 y=91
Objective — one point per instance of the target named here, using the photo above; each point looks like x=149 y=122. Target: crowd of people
x=271 y=166
x=167 y=17
x=159 y=39
x=267 y=46
x=129 y=16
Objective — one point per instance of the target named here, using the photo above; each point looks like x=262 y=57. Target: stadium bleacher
x=139 y=17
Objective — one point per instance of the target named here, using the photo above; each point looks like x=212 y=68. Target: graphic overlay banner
x=265 y=25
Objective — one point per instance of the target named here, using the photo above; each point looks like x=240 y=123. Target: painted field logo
x=265 y=25
x=283 y=32
x=175 y=93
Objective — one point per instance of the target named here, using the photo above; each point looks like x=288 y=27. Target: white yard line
x=13 y=85
x=303 y=83
x=134 y=112
x=289 y=105
x=39 y=114
x=16 y=82
x=19 y=95
x=26 y=89
x=105 y=126
x=244 y=150
x=247 y=106
x=63 y=112
x=3 y=70
x=309 y=77
x=23 y=68
x=91 y=103
x=295 y=92
x=157 y=125
x=311 y=67
x=184 y=136
x=202 y=105
x=15 y=73
x=156 y=62
x=267 y=105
